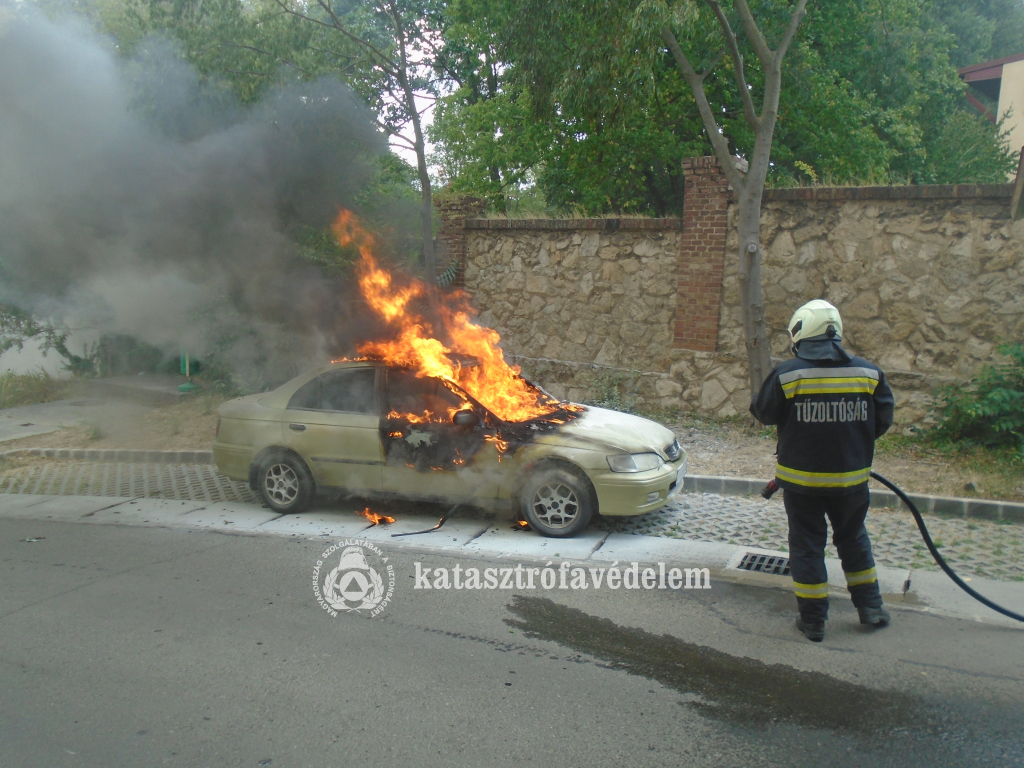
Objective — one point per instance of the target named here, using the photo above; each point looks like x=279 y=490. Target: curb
x=113 y=454
x=943 y=506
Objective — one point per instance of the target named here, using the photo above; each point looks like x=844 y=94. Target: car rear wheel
x=285 y=483
x=556 y=502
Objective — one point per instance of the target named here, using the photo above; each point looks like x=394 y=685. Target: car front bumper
x=625 y=494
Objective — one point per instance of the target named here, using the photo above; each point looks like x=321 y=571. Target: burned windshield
x=419 y=430
x=423 y=397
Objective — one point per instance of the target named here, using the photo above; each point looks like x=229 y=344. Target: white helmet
x=815 y=318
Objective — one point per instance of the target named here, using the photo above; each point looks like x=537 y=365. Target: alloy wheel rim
x=281 y=484
x=555 y=505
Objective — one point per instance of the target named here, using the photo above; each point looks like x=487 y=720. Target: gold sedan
x=373 y=430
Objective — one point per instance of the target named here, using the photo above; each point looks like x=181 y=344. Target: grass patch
x=741 y=424
x=29 y=388
x=1000 y=466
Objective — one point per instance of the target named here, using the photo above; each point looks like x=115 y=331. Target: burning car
x=431 y=410
x=372 y=429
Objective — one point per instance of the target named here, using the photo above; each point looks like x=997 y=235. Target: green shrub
x=29 y=388
x=990 y=410
x=615 y=390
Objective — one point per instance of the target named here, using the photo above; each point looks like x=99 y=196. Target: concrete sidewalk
x=472 y=534
x=978 y=548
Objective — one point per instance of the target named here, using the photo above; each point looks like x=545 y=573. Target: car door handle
x=297 y=427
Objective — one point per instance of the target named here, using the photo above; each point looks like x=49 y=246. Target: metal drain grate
x=777 y=566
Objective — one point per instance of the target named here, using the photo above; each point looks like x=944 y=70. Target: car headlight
x=674 y=450
x=636 y=462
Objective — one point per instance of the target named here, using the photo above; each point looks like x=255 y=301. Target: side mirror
x=465 y=418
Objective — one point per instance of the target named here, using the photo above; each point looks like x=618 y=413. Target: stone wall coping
x=116 y=454
x=944 y=506
x=604 y=225
x=909 y=192
x=590 y=366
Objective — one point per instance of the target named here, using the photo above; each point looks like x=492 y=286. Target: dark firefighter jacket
x=829 y=413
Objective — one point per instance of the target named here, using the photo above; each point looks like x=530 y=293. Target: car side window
x=352 y=391
x=308 y=396
x=408 y=393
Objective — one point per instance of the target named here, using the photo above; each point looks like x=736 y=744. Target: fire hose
x=440 y=522
x=769 y=490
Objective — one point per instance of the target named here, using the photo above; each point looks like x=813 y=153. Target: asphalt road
x=126 y=646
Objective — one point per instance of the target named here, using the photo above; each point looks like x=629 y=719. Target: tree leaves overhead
x=579 y=103
x=870 y=95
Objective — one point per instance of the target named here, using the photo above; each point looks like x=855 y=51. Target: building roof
x=986 y=78
x=987 y=70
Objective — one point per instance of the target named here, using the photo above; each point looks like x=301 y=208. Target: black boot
x=813 y=630
x=874 y=615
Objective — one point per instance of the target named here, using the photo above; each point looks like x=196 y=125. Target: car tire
x=556 y=502
x=285 y=483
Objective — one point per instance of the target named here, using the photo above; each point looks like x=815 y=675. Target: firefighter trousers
x=807 y=537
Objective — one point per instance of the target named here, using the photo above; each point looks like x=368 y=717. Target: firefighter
x=830 y=407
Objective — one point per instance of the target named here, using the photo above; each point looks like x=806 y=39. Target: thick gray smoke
x=135 y=201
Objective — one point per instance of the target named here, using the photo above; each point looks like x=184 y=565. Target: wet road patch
x=729 y=687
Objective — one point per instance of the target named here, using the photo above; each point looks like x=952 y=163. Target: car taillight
x=217 y=433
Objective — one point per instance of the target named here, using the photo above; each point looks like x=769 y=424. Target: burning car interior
x=428 y=425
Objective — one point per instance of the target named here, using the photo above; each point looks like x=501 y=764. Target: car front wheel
x=556 y=502
x=285 y=483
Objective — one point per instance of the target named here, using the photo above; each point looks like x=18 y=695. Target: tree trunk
x=748 y=228
x=427 y=214
x=427 y=206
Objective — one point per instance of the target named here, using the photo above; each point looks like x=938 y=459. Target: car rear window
x=352 y=391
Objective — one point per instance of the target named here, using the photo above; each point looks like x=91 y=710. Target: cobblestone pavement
x=972 y=546
x=185 y=482
x=984 y=548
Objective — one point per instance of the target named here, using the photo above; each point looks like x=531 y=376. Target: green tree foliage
x=382 y=50
x=486 y=142
x=984 y=29
x=592 y=106
x=18 y=326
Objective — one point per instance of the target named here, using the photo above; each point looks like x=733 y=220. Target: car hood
x=612 y=431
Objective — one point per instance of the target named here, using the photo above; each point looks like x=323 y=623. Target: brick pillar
x=452 y=237
x=702 y=255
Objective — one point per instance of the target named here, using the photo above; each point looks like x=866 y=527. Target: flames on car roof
x=433 y=333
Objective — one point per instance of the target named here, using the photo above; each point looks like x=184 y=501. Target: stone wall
x=929 y=283
x=645 y=311
x=596 y=292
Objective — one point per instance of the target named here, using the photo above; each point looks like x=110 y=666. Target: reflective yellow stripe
x=832 y=386
x=828 y=373
x=861 y=577
x=811 y=591
x=822 y=479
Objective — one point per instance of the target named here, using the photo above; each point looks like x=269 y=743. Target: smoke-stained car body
x=375 y=430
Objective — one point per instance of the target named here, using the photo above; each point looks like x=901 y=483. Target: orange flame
x=375 y=517
x=501 y=445
x=493 y=382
